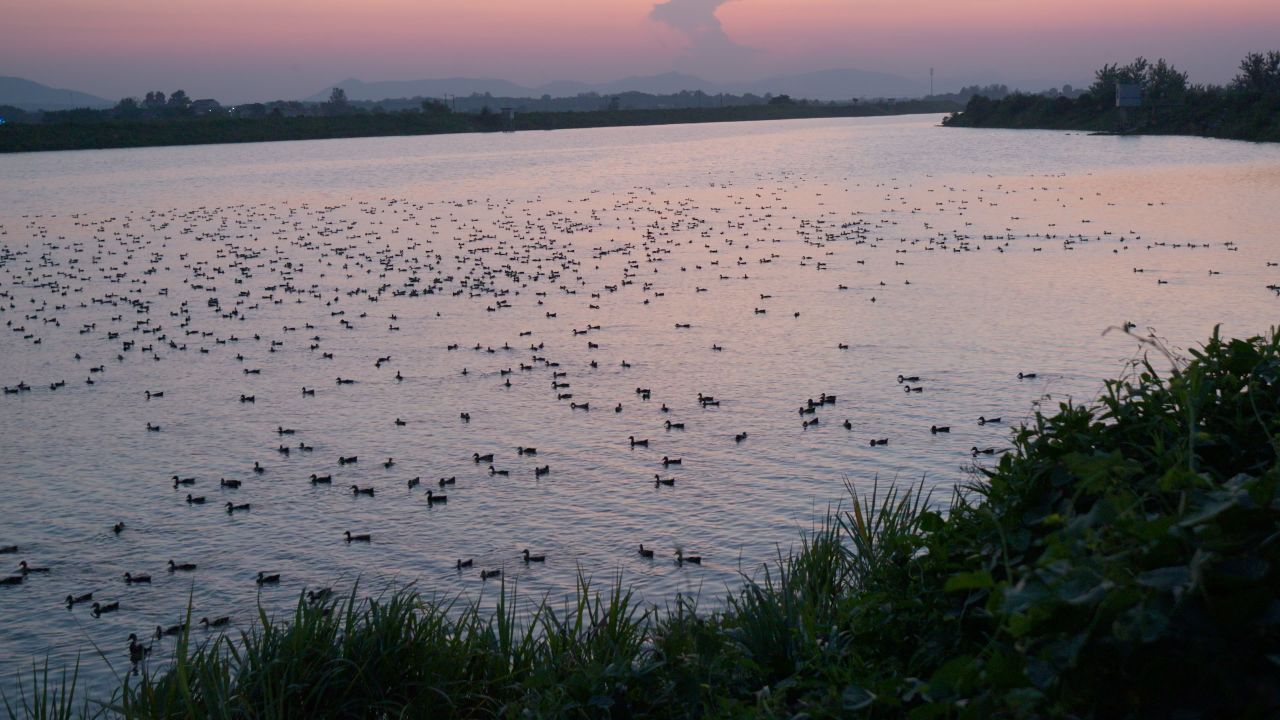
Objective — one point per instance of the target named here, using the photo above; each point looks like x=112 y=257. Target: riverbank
x=1120 y=560
x=1215 y=113
x=39 y=137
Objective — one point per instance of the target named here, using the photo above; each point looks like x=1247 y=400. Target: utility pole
x=930 y=82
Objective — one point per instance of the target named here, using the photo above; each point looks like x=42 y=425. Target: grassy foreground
x=1122 y=560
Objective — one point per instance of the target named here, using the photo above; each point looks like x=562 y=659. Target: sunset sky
x=240 y=50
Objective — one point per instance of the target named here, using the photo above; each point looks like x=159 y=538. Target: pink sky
x=262 y=49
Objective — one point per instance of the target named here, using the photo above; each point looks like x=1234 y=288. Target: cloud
x=710 y=47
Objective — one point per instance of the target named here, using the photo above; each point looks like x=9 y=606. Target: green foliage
x=1247 y=110
x=1259 y=73
x=1122 y=560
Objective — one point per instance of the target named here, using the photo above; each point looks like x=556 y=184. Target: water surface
x=876 y=247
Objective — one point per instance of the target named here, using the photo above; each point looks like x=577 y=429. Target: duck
x=194 y=500
x=637 y=443
x=400 y=422
x=137 y=651
x=320 y=595
x=659 y=481
x=540 y=471
x=1026 y=376
x=935 y=429
x=671 y=461
x=984 y=451
x=258 y=468
x=175 y=567
x=910 y=389
x=99 y=609
x=281 y=430
x=73 y=600
x=117 y=528
x=321 y=479
x=433 y=499
x=982 y=420
x=131 y=579
x=492 y=471
x=216 y=623
x=674 y=426
x=12 y=580
x=847 y=425
x=27 y=569
x=358 y=538
x=389 y=463
x=9 y=550
x=526 y=451
x=908 y=378
x=618 y=408
x=229 y=484
x=881 y=441
x=664 y=408
x=486 y=574
x=170 y=631
x=153 y=428
x=233 y=508
x=413 y=482
x=182 y=481
x=464 y=563
x=466 y=417
x=580 y=406
x=356 y=490
x=740 y=437
x=348 y=460
x=478 y=458
x=533 y=558
x=681 y=558
x=451 y=480
x=265 y=579
x=645 y=553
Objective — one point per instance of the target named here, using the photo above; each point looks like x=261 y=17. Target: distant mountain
x=821 y=85
x=837 y=85
x=664 y=84
x=30 y=95
x=384 y=89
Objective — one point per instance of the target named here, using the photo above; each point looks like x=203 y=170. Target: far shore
x=44 y=137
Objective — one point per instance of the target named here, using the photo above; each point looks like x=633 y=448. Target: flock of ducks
x=245 y=262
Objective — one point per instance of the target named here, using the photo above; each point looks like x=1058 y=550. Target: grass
x=1122 y=560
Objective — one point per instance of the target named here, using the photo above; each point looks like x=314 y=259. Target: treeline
x=1246 y=109
x=74 y=132
x=1122 y=560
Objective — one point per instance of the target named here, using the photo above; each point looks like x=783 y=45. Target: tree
x=1259 y=73
x=1108 y=76
x=1164 y=84
x=782 y=100
x=179 y=100
x=432 y=106
x=154 y=100
x=337 y=103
